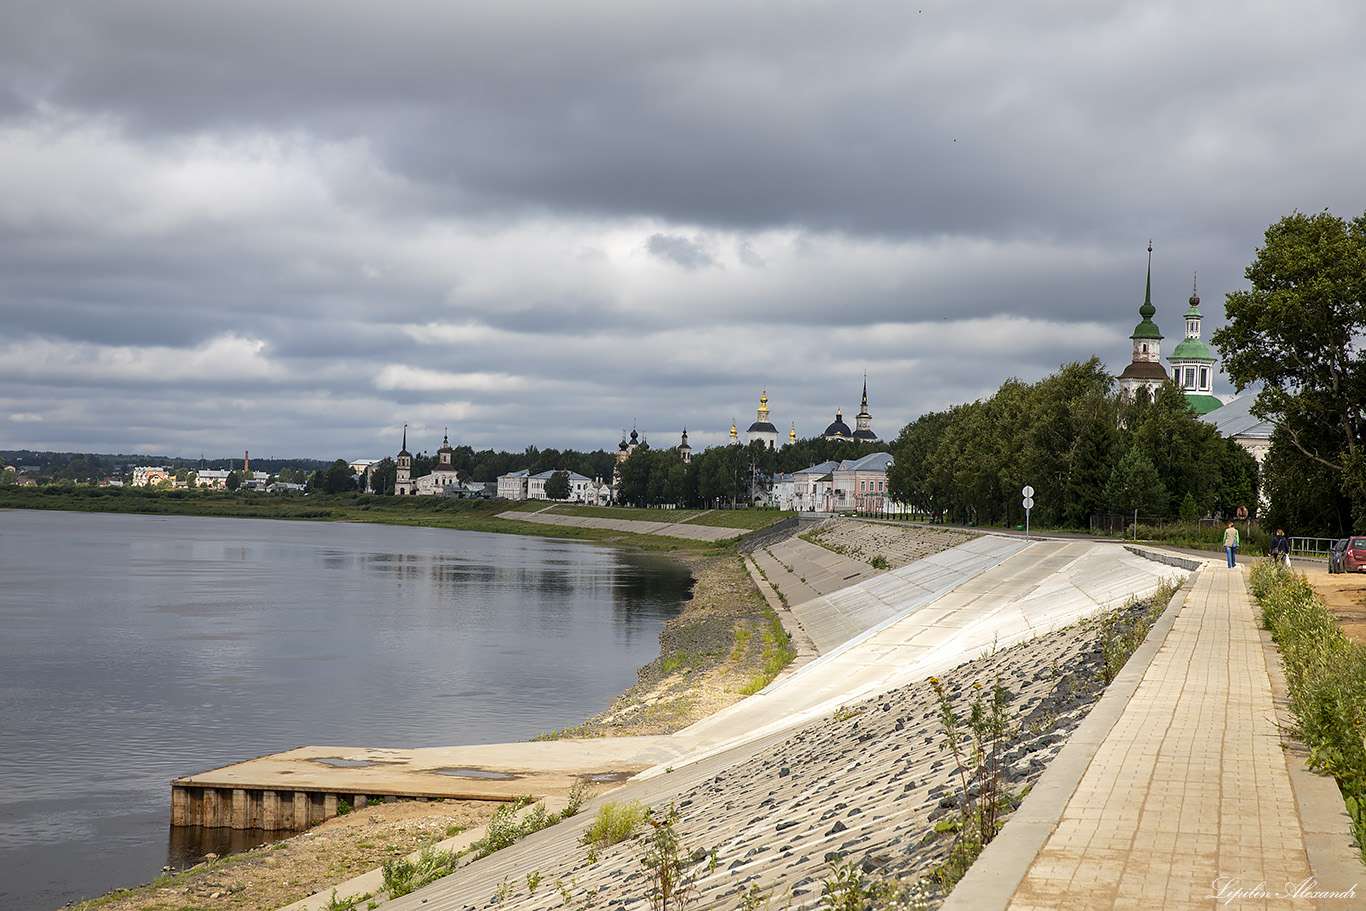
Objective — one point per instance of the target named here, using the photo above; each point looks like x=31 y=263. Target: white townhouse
x=580 y=488
x=523 y=485
x=513 y=485
x=804 y=491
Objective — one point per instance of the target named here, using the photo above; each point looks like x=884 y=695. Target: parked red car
x=1354 y=557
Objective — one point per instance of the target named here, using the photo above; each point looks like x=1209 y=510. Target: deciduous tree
x=1297 y=333
x=557 y=486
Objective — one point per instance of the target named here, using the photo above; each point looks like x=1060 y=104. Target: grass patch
x=402 y=876
x=675 y=661
x=631 y=513
x=1123 y=631
x=742 y=636
x=778 y=654
x=615 y=822
x=1325 y=673
x=743 y=519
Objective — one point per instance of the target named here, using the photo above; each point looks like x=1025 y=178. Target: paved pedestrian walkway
x=1187 y=802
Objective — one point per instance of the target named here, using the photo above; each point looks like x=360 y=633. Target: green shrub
x=614 y=823
x=1325 y=673
x=402 y=876
x=504 y=828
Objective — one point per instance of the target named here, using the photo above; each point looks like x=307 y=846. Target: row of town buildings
x=831 y=486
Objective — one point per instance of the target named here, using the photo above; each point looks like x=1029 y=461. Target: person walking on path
x=1280 y=547
x=1230 y=543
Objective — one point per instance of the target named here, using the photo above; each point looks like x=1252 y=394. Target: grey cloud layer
x=539 y=221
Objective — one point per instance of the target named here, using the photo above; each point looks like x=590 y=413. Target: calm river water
x=136 y=649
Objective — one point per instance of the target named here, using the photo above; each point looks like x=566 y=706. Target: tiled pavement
x=1187 y=802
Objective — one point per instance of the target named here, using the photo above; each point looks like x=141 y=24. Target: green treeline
x=729 y=475
x=1082 y=448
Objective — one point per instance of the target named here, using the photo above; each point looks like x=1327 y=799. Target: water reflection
x=189 y=845
x=184 y=644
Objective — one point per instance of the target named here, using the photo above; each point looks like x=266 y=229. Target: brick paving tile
x=1190 y=791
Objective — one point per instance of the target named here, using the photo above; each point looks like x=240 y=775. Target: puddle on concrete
x=485 y=774
x=337 y=762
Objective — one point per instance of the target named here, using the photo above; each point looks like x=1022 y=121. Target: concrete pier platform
x=302 y=787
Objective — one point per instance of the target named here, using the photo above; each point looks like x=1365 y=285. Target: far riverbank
x=433 y=512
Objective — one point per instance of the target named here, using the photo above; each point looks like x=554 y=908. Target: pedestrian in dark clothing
x=1280 y=547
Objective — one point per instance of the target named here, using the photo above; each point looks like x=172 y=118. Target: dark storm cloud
x=533 y=222
x=880 y=118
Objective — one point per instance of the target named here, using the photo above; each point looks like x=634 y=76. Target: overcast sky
x=294 y=226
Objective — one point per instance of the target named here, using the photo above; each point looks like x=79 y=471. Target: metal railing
x=1310 y=547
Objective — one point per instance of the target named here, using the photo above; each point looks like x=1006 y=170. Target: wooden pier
x=299 y=788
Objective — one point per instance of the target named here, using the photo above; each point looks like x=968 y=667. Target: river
x=136 y=649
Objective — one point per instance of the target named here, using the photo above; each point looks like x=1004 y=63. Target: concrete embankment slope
x=987 y=594
x=780 y=781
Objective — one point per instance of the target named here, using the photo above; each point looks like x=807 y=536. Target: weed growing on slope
x=849 y=888
x=1123 y=631
x=977 y=743
x=668 y=866
x=349 y=903
x=614 y=823
x=778 y=654
x=402 y=876
x=504 y=828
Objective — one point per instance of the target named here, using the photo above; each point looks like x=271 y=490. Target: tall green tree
x=1296 y=332
x=557 y=485
x=339 y=478
x=1135 y=485
x=383 y=476
x=908 y=478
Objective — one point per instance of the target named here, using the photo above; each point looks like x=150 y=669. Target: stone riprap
x=866 y=784
x=897 y=544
